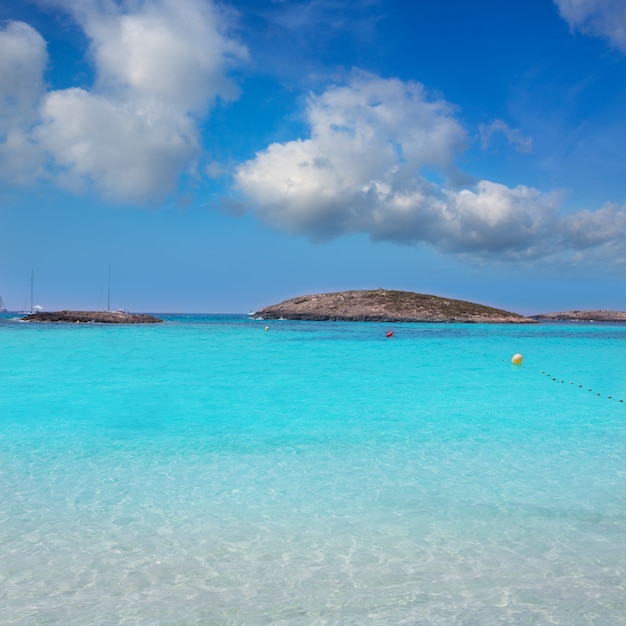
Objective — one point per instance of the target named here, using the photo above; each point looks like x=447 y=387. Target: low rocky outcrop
x=99 y=317
x=381 y=305
x=582 y=316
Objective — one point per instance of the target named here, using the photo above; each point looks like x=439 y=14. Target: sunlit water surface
x=209 y=471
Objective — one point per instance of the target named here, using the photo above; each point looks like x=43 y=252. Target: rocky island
x=380 y=305
x=582 y=316
x=94 y=317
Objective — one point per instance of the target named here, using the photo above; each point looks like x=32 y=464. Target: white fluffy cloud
x=380 y=160
x=115 y=146
x=602 y=18
x=171 y=51
x=23 y=58
x=159 y=65
x=368 y=141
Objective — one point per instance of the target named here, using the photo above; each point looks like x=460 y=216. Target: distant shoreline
x=92 y=317
x=117 y=317
x=581 y=316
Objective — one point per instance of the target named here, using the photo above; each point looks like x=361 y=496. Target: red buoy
x=389 y=334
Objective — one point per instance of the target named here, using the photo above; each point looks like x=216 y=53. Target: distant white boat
x=2 y=309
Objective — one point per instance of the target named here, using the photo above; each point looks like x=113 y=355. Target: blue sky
x=223 y=156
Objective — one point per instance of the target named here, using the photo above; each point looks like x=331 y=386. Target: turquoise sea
x=209 y=471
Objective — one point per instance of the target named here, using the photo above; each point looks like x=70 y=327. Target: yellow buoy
x=517 y=359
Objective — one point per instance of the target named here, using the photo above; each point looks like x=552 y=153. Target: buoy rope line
x=595 y=393
x=517 y=359
x=557 y=379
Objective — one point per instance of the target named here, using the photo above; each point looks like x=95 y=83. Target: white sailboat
x=2 y=308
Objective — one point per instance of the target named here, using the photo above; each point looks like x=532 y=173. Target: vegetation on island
x=100 y=317
x=380 y=305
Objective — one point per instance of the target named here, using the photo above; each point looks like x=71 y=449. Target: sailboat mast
x=109 y=290
x=31 y=290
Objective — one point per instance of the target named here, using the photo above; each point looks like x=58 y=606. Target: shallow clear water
x=206 y=471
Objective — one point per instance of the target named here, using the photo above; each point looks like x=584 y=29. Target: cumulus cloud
x=380 y=159
x=114 y=145
x=588 y=229
x=23 y=58
x=601 y=18
x=159 y=67
x=167 y=50
x=368 y=139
